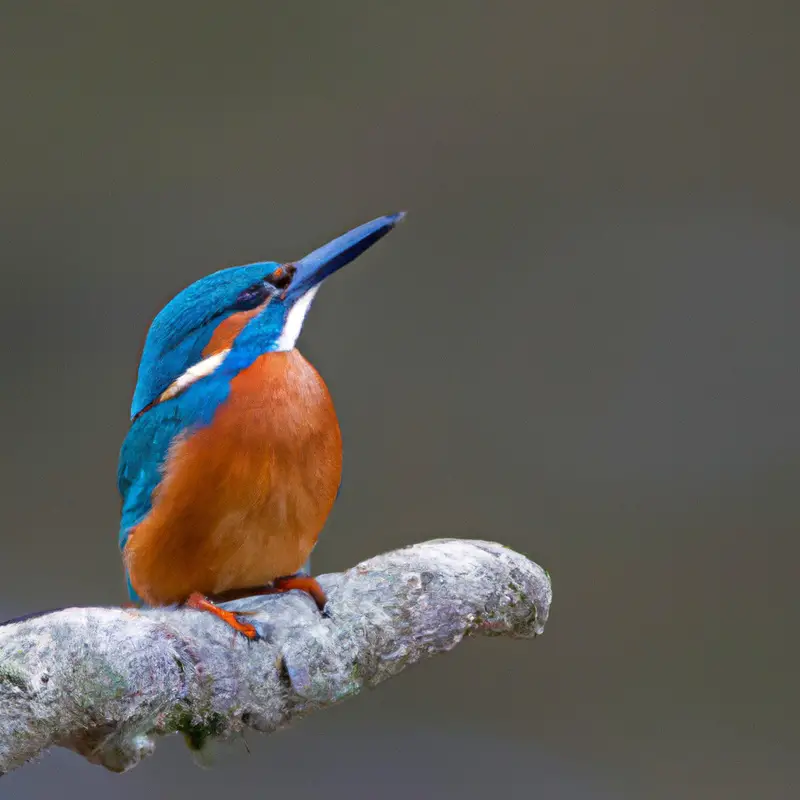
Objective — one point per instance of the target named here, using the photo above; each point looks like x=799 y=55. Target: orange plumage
x=243 y=500
x=227 y=331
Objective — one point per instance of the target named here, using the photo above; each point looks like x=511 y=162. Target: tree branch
x=105 y=681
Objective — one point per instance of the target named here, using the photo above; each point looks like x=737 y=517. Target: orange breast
x=244 y=499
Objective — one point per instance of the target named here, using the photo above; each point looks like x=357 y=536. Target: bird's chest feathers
x=268 y=463
x=275 y=437
x=244 y=498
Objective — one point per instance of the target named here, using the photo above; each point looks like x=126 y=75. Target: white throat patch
x=294 y=321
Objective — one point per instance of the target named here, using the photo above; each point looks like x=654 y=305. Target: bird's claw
x=200 y=603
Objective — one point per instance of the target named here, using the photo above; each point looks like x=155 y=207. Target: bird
x=233 y=458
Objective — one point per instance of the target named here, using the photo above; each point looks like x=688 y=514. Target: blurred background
x=582 y=343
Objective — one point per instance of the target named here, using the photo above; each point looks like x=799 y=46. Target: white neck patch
x=202 y=369
x=294 y=321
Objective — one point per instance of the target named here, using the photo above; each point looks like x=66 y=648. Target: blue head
x=260 y=306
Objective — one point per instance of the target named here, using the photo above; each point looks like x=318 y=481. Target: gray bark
x=105 y=682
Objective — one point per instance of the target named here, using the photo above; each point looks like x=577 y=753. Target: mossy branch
x=105 y=682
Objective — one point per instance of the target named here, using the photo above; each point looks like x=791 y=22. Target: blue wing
x=147 y=445
x=141 y=460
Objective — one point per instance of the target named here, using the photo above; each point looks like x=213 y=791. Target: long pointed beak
x=325 y=260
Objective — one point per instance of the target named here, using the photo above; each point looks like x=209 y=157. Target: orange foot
x=200 y=603
x=305 y=583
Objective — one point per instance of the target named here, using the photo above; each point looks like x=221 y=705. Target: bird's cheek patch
x=227 y=331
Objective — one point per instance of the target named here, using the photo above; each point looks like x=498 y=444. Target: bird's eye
x=252 y=296
x=281 y=277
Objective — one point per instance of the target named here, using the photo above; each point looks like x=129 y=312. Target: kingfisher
x=233 y=459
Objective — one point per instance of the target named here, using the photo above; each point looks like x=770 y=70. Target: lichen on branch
x=105 y=682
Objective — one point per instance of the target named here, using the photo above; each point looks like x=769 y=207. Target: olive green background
x=582 y=342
